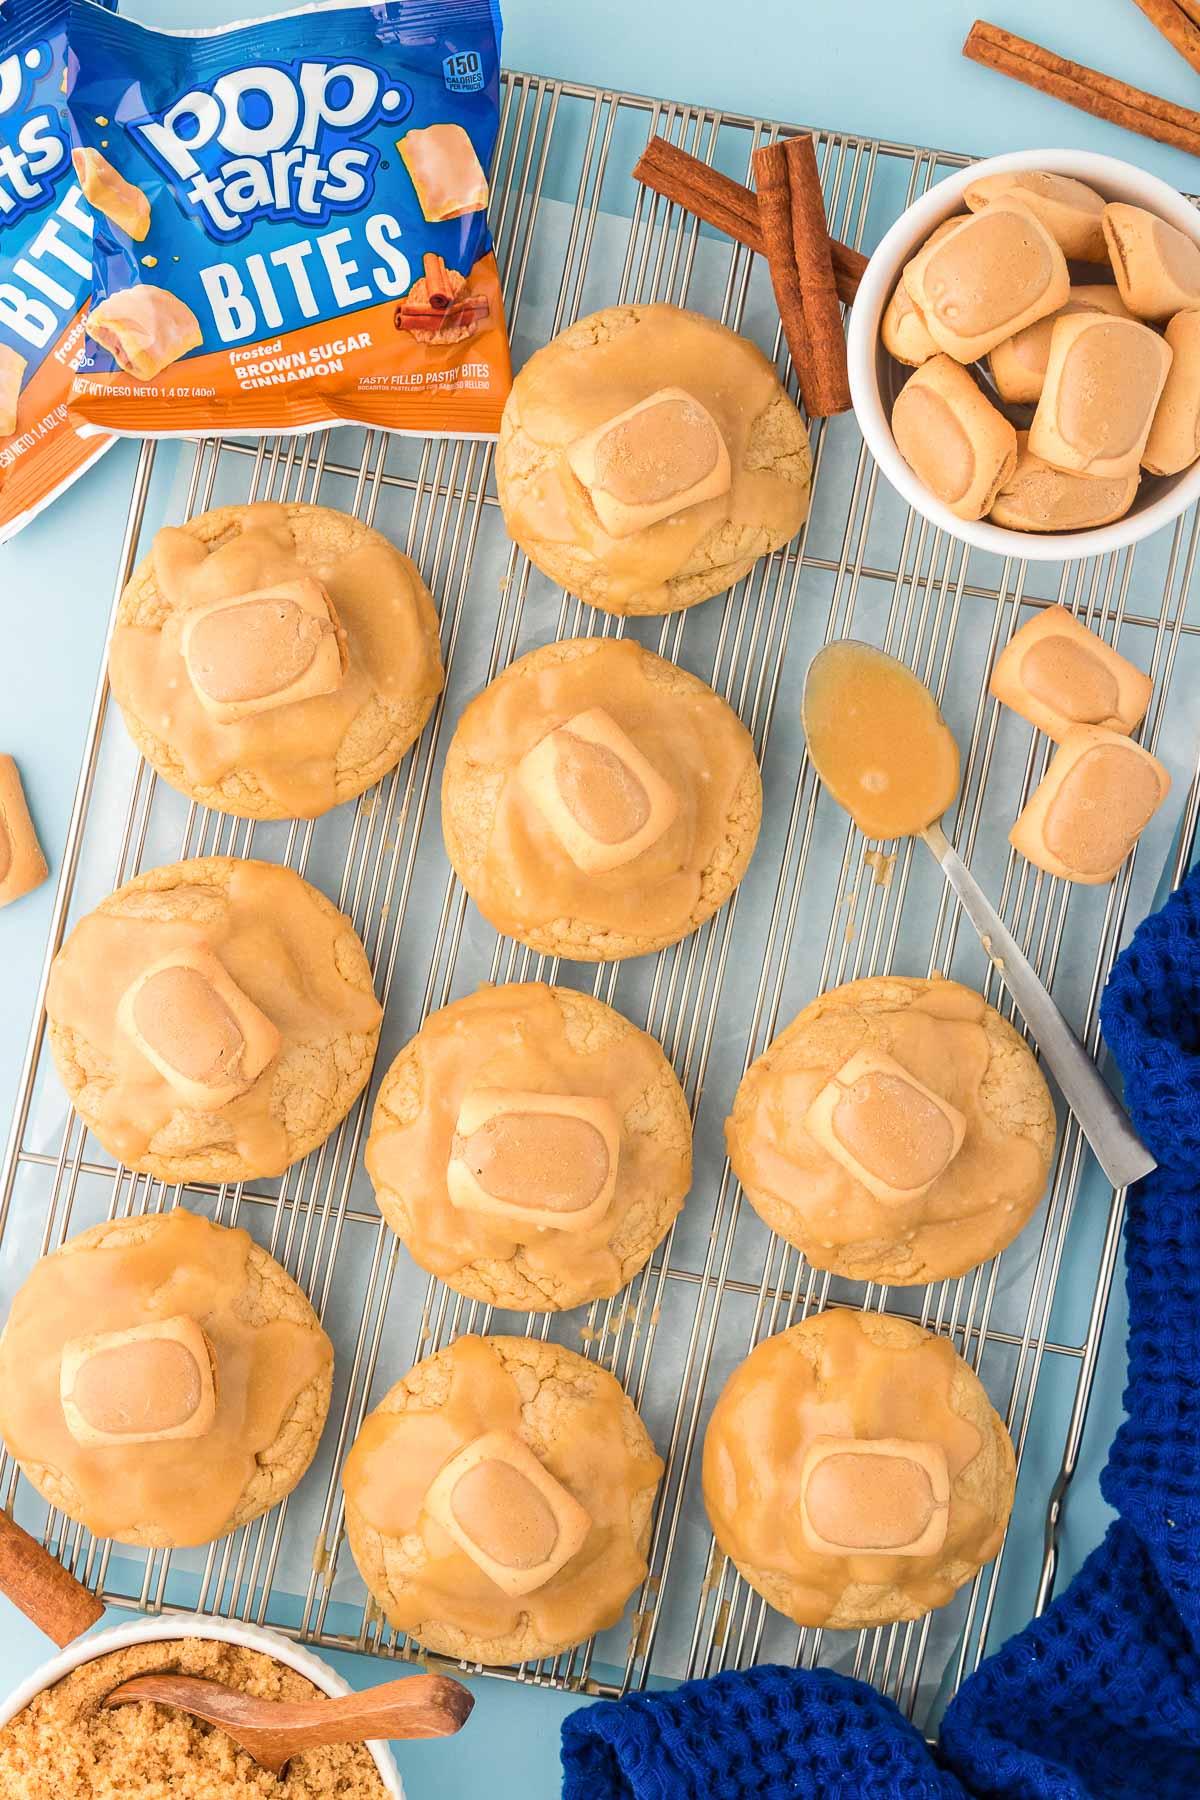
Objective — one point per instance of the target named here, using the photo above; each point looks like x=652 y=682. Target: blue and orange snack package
x=45 y=265
x=291 y=221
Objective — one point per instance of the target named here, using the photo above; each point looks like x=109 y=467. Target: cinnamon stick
x=775 y=221
x=818 y=289
x=44 y=1591
x=438 y=291
x=1192 y=9
x=1089 y=90
x=466 y=311
x=727 y=205
x=1175 y=25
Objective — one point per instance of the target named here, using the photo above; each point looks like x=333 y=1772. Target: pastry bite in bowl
x=213 y=1020
x=855 y=1472
x=1081 y=372
x=271 y=661
x=499 y=1500
x=899 y=1130
x=598 y=802
x=648 y=457
x=163 y=1380
x=531 y=1147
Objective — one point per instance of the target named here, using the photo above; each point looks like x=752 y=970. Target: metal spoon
x=1118 y=1149
x=273 y=1731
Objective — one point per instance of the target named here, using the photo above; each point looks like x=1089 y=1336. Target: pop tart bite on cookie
x=648 y=457
x=531 y=1147
x=163 y=1380
x=599 y=802
x=855 y=1471
x=498 y=1500
x=213 y=1020
x=272 y=661
x=899 y=1130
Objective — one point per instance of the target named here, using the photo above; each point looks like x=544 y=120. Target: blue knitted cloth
x=1100 y=1698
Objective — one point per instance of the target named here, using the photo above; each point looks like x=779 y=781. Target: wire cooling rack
x=817 y=907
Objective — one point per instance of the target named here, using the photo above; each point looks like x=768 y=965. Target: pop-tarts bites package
x=291 y=224
x=45 y=265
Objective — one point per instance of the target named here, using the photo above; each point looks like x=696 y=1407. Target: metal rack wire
x=815 y=909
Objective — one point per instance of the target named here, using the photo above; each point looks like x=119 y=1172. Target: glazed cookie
x=648 y=457
x=273 y=661
x=855 y=1471
x=531 y=1147
x=498 y=1500
x=163 y=1380
x=599 y=802
x=899 y=1131
x=213 y=1020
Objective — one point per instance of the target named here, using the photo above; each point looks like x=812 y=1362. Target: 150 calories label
x=310 y=178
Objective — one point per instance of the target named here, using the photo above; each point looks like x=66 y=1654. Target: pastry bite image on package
x=649 y=457
x=499 y=1500
x=162 y=1379
x=598 y=802
x=213 y=1020
x=291 y=224
x=1091 y=806
x=272 y=661
x=899 y=1130
x=531 y=1147
x=1058 y=674
x=22 y=862
x=46 y=229
x=855 y=1471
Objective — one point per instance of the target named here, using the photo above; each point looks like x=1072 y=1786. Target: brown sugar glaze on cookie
x=188 y=1486
x=515 y=1039
x=690 y=738
x=271 y=939
x=398 y=1456
x=759 y=1449
x=292 y=749
x=668 y=447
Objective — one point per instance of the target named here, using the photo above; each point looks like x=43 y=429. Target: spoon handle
x=1119 y=1150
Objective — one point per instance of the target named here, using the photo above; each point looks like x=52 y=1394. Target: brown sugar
x=65 y=1743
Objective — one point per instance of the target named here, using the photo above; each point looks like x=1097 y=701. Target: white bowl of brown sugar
x=1021 y=466
x=57 y=1739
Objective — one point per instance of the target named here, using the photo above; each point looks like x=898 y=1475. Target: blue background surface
x=884 y=70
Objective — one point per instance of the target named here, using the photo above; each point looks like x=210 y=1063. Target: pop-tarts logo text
x=278 y=140
x=32 y=159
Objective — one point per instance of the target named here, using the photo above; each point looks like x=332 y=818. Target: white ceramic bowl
x=875 y=378
x=170 y=1629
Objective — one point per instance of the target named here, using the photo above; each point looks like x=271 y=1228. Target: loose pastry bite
x=22 y=864
x=445 y=171
x=898 y=1130
x=144 y=329
x=1157 y=266
x=163 y=1380
x=213 y=1020
x=1037 y=497
x=531 y=1147
x=498 y=1500
x=272 y=661
x=1072 y=212
x=1091 y=806
x=855 y=1471
x=1018 y=365
x=995 y=273
x=1103 y=382
x=1174 y=441
x=599 y=802
x=1058 y=674
x=648 y=457
x=953 y=438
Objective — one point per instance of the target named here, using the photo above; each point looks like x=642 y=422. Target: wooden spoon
x=273 y=1731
